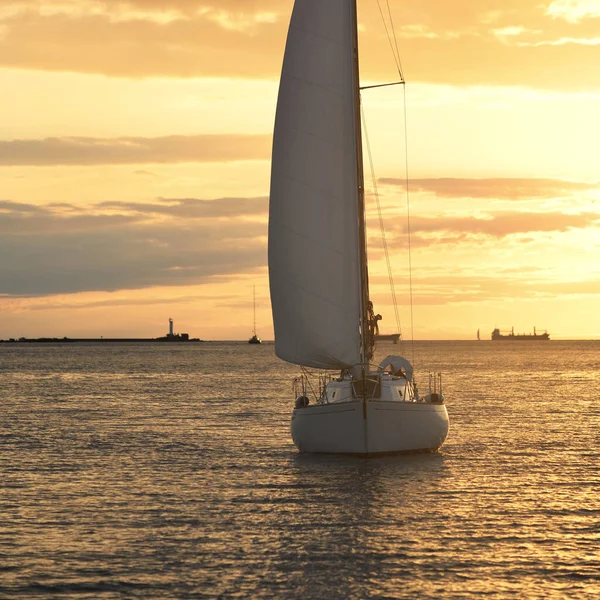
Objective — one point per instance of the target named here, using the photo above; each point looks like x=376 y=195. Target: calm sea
x=167 y=471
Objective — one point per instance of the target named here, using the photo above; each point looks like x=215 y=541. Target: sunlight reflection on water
x=168 y=472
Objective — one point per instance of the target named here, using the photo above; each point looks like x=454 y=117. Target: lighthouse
x=174 y=337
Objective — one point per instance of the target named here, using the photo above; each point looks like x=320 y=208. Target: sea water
x=162 y=471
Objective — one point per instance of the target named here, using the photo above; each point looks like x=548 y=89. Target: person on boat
x=372 y=327
x=373 y=319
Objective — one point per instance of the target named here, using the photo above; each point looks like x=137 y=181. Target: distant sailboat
x=322 y=313
x=254 y=339
x=478 y=335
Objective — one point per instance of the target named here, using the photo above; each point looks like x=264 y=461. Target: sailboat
x=319 y=283
x=254 y=339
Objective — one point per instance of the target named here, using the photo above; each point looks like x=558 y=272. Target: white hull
x=371 y=427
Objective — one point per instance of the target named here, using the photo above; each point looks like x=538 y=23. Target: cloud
x=192 y=208
x=61 y=248
x=8 y=207
x=134 y=150
x=470 y=232
x=213 y=42
x=483 y=43
x=563 y=41
x=500 y=225
x=498 y=188
x=34 y=220
x=179 y=242
x=573 y=11
x=475 y=287
x=111 y=302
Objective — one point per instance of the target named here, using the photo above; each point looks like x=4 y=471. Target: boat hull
x=370 y=428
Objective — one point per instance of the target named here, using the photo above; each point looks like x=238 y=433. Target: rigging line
x=410 y=284
x=399 y=61
x=381 y=226
x=394 y=50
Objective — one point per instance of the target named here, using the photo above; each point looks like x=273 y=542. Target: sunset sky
x=135 y=141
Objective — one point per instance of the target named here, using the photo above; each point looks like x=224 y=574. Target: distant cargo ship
x=511 y=335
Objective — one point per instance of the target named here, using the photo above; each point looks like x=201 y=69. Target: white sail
x=313 y=213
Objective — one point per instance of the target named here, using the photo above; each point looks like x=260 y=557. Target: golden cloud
x=135 y=150
x=486 y=43
x=504 y=188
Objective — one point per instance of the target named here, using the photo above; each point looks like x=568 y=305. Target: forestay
x=313 y=212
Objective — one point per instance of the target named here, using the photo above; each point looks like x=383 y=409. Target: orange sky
x=135 y=154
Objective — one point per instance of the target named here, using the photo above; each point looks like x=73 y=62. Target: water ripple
x=157 y=473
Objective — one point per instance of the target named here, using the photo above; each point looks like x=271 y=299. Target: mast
x=366 y=341
x=254 y=299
